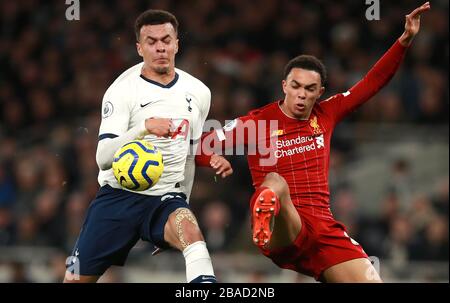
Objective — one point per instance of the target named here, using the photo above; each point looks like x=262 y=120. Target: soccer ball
x=138 y=165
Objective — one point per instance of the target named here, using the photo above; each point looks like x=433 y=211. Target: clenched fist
x=161 y=127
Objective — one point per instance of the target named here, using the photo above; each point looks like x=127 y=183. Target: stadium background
x=389 y=161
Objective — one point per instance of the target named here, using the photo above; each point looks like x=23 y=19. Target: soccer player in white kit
x=167 y=106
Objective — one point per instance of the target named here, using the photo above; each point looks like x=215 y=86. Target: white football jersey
x=132 y=98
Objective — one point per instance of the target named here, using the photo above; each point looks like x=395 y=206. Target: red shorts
x=321 y=243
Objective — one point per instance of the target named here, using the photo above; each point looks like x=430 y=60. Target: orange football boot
x=265 y=208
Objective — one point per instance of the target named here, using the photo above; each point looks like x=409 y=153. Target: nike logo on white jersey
x=145 y=104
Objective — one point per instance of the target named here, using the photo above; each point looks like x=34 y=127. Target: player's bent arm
x=211 y=145
x=216 y=142
x=108 y=145
x=204 y=152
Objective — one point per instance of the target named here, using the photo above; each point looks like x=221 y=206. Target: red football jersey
x=299 y=150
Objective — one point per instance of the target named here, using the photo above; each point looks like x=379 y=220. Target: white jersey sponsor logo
x=299 y=145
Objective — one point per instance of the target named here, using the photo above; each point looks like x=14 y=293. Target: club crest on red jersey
x=317 y=130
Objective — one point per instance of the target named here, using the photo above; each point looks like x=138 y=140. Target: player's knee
x=277 y=183
x=184 y=227
x=191 y=233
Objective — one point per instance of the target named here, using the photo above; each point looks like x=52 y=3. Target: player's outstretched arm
x=380 y=74
x=412 y=24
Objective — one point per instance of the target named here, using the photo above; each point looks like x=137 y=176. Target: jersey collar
x=168 y=85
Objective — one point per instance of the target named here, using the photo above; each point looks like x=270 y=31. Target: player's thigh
x=358 y=270
x=102 y=243
x=108 y=233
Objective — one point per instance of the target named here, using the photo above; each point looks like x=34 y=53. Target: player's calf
x=182 y=232
x=186 y=228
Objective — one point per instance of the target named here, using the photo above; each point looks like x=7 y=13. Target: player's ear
x=284 y=85
x=176 y=46
x=321 y=91
x=139 y=49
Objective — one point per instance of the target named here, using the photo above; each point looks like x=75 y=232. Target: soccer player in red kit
x=291 y=220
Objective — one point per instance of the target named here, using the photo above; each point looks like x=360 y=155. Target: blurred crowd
x=54 y=73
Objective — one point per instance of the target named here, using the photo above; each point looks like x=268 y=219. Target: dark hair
x=154 y=17
x=309 y=63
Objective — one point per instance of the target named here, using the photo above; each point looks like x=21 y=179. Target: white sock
x=198 y=261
